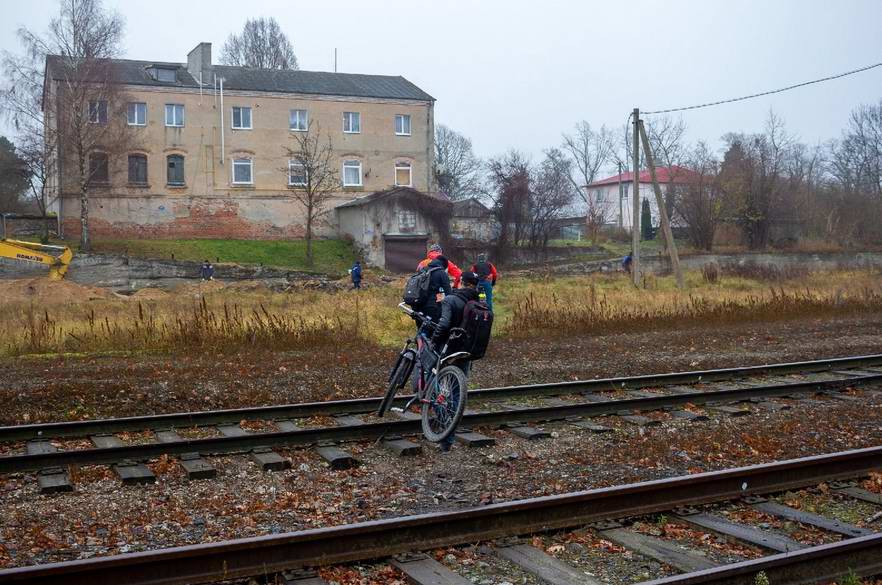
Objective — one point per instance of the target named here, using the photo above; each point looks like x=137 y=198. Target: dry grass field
x=39 y=317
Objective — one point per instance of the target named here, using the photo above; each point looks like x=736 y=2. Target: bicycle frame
x=422 y=344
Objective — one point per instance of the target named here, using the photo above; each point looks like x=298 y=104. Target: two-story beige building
x=207 y=154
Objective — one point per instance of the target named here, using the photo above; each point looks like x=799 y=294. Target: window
x=137 y=169
x=175 y=169
x=98 y=111
x=174 y=115
x=136 y=114
x=402 y=124
x=406 y=221
x=241 y=118
x=298 y=120
x=296 y=173
x=402 y=174
x=98 y=168
x=351 y=122
x=625 y=190
x=352 y=173
x=164 y=74
x=598 y=195
x=242 y=171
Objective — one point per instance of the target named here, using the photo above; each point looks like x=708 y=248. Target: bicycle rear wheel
x=397 y=378
x=444 y=403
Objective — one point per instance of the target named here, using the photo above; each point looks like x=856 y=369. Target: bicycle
x=441 y=385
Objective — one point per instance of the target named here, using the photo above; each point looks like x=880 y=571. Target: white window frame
x=409 y=167
x=346 y=164
x=294 y=163
x=238 y=162
x=304 y=118
x=348 y=118
x=175 y=123
x=143 y=122
x=402 y=117
x=241 y=111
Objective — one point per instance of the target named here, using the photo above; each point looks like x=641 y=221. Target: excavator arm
x=57 y=258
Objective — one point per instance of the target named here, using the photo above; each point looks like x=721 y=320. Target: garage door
x=403 y=254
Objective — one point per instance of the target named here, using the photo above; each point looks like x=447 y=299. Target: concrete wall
x=367 y=224
x=209 y=204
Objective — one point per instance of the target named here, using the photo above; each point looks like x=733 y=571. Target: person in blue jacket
x=355 y=273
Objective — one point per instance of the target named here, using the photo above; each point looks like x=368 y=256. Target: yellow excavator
x=57 y=258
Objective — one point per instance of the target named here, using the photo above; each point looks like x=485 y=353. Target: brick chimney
x=199 y=61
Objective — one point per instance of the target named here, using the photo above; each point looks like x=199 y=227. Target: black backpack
x=416 y=290
x=477 y=321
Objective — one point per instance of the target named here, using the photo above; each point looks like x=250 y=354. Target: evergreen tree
x=646 y=221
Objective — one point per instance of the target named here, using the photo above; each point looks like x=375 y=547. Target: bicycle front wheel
x=444 y=403
x=397 y=379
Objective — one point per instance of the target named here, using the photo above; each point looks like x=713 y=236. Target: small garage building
x=393 y=228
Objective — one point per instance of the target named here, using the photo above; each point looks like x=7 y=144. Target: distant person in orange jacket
x=487 y=275
x=452 y=269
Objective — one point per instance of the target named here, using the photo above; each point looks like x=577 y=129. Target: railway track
x=707 y=502
x=594 y=398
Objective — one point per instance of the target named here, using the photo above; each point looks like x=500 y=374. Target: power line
x=756 y=95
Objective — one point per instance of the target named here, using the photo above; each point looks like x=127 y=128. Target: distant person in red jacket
x=452 y=269
x=487 y=275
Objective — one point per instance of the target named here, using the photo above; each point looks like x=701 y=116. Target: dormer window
x=164 y=74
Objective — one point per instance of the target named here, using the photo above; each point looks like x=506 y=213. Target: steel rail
x=818 y=564
x=382 y=538
x=374 y=431
x=364 y=405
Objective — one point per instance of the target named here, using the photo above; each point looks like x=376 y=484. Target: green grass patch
x=332 y=257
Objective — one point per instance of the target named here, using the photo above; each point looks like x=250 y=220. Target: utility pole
x=635 y=206
x=621 y=194
x=662 y=210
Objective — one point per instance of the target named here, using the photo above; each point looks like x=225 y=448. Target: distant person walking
x=355 y=273
x=487 y=275
x=626 y=263
x=207 y=271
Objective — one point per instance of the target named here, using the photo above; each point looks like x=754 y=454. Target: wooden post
x=662 y=210
x=621 y=189
x=635 y=207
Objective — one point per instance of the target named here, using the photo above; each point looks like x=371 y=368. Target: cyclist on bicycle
x=452 y=308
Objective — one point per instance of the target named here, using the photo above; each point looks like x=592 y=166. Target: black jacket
x=452 y=308
x=439 y=281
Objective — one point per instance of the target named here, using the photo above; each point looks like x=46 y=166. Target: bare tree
x=667 y=139
x=552 y=193
x=751 y=177
x=700 y=201
x=83 y=108
x=261 y=44
x=591 y=152
x=457 y=169
x=510 y=177
x=312 y=175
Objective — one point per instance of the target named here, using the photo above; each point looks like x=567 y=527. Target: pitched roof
x=406 y=191
x=680 y=175
x=133 y=72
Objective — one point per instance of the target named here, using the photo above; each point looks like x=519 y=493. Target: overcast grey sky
x=512 y=73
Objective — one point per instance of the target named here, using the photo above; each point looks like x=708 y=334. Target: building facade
x=205 y=153
x=604 y=194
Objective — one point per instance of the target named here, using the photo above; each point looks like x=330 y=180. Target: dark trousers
x=356 y=283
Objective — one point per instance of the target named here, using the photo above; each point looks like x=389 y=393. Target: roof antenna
x=335 y=59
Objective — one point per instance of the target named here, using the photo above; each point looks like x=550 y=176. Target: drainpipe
x=430 y=145
x=222 y=120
